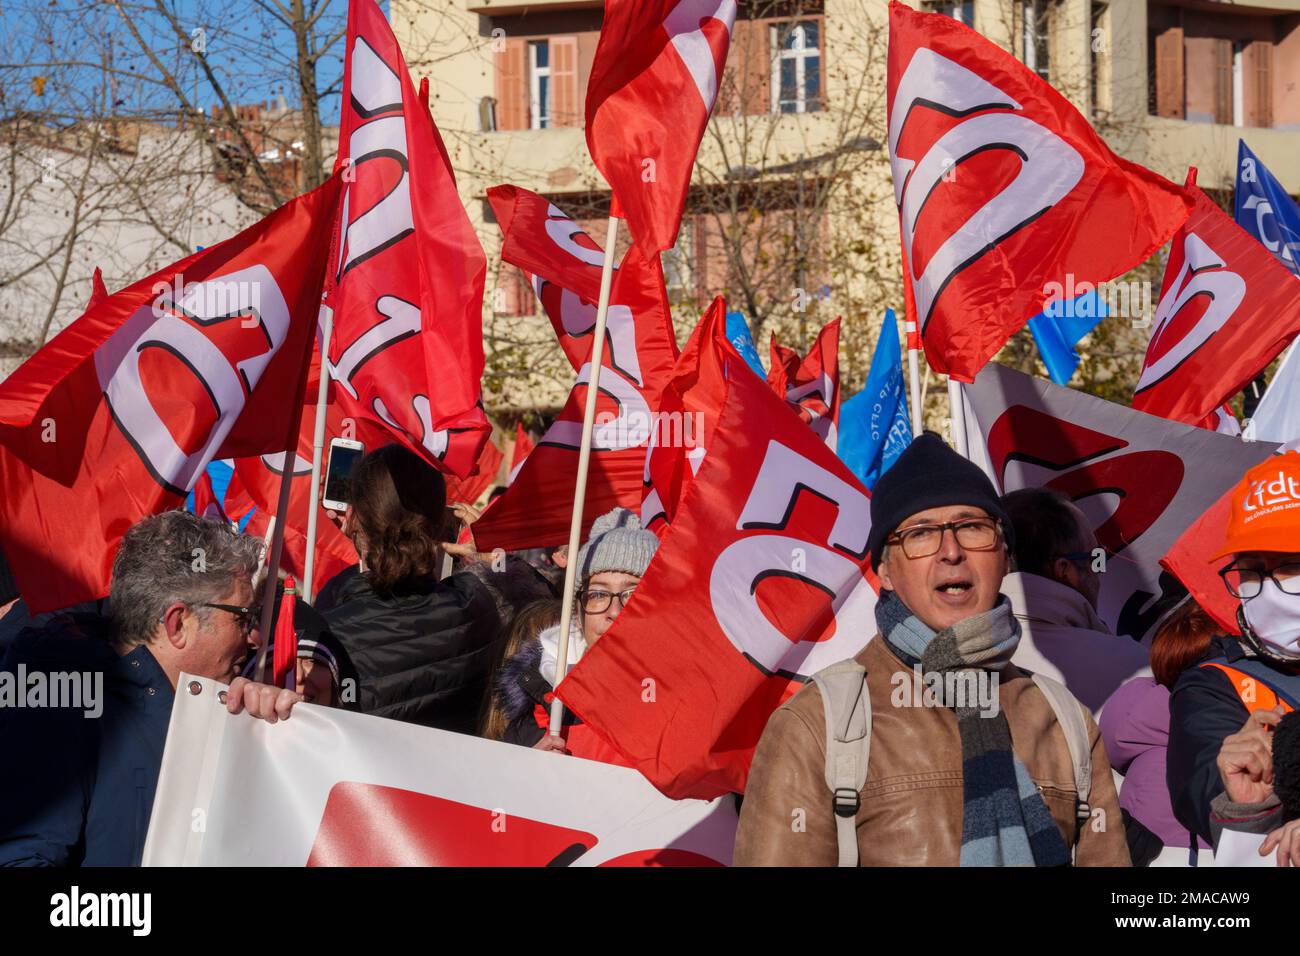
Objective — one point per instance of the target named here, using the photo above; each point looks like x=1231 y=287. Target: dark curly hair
x=1286 y=764
x=398 y=502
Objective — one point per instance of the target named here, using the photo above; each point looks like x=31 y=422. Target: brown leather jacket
x=911 y=805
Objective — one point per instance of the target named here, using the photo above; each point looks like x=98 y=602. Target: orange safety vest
x=1254 y=693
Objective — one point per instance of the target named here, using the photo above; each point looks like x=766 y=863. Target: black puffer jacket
x=424 y=655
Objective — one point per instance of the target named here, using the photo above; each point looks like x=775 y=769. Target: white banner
x=1142 y=480
x=329 y=787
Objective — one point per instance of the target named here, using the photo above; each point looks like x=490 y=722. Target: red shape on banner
x=368 y=825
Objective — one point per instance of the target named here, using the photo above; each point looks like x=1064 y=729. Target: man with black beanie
x=966 y=765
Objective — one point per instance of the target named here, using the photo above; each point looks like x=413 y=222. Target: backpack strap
x=1070 y=717
x=847 y=708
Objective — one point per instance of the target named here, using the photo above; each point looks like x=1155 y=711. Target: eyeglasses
x=1246 y=583
x=246 y=616
x=598 y=602
x=923 y=540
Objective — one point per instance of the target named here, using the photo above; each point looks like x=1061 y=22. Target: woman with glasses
x=609 y=566
x=1224 y=709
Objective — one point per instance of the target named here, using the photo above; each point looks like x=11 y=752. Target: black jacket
x=421 y=655
x=1204 y=709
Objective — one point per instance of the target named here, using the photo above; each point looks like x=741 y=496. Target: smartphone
x=344 y=455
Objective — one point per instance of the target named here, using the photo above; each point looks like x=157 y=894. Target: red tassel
x=286 y=638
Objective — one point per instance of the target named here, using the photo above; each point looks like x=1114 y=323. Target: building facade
x=791 y=214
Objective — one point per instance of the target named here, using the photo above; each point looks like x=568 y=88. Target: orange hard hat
x=1265 y=508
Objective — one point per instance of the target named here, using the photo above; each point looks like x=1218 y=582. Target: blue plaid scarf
x=1004 y=822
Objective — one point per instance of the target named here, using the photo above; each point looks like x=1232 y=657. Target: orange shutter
x=1223 y=82
x=565 y=109
x=1258 y=80
x=512 y=85
x=747 y=80
x=1170 y=97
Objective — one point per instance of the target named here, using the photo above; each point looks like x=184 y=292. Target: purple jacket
x=1134 y=727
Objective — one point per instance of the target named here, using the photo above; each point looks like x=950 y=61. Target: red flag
x=98 y=291
x=748 y=596
x=407 y=347
x=564 y=265
x=811 y=386
x=285 y=644
x=256 y=485
x=523 y=447
x=653 y=83
x=637 y=360
x=117 y=417
x=206 y=504
x=692 y=397
x=1189 y=561
x=1227 y=308
x=484 y=475
x=1002 y=188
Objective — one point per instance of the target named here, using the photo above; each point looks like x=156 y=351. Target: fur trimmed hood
x=529 y=674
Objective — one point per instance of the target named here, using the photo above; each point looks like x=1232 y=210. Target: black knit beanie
x=929 y=474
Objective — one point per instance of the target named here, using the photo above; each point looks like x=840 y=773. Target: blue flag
x=874 y=424
x=1266 y=211
x=1058 y=329
x=739 y=335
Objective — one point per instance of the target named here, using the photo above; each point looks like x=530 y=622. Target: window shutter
x=512 y=85
x=1258 y=68
x=1223 y=82
x=564 y=81
x=1170 y=98
x=747 y=79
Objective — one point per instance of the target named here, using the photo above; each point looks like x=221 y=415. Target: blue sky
x=252 y=56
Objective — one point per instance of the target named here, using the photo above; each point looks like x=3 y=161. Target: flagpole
x=957 y=415
x=277 y=545
x=584 y=459
x=317 y=454
x=281 y=511
x=914 y=378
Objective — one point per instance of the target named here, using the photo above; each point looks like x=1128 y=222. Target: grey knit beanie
x=617 y=542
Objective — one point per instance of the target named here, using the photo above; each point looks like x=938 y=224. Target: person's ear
x=883 y=572
x=1064 y=571
x=173 y=624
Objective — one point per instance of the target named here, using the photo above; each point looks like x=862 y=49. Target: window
x=961 y=12
x=539 y=84
x=797 y=67
x=1035 y=36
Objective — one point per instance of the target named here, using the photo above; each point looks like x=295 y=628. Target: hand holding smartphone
x=343 y=458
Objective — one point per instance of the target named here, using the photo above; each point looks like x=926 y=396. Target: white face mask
x=1274 y=616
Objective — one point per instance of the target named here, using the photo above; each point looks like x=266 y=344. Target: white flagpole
x=957 y=415
x=584 y=459
x=914 y=379
x=317 y=453
x=272 y=579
